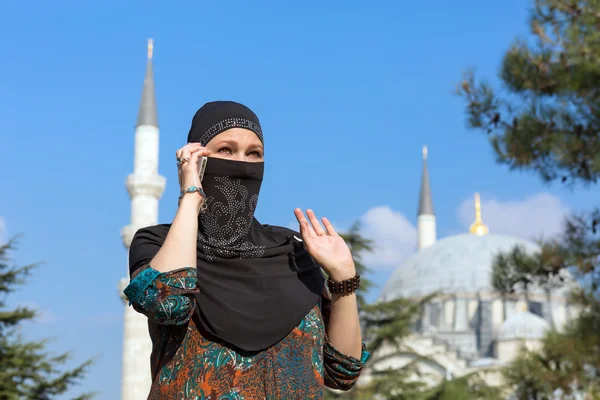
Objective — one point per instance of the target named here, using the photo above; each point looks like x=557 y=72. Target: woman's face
x=237 y=144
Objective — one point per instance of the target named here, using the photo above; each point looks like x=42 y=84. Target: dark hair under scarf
x=256 y=282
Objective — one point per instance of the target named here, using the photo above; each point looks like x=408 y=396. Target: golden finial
x=478 y=227
x=522 y=306
x=150 y=48
x=425 y=152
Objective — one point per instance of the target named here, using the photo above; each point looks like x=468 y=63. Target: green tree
x=569 y=360
x=544 y=117
x=27 y=371
x=359 y=245
x=469 y=387
x=389 y=324
x=567 y=364
x=548 y=120
x=512 y=271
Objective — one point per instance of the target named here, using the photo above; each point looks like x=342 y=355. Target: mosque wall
x=464 y=342
x=507 y=350
x=469 y=325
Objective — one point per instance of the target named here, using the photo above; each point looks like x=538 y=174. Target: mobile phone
x=201 y=167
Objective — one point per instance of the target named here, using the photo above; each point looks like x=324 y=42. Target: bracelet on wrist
x=194 y=189
x=345 y=287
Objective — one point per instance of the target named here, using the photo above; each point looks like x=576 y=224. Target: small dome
x=523 y=325
x=460 y=263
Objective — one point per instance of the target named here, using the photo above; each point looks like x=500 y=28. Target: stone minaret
x=425 y=218
x=145 y=187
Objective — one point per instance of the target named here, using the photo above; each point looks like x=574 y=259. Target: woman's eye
x=255 y=154
x=225 y=150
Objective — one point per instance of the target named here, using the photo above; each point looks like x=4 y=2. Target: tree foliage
x=391 y=322
x=469 y=387
x=406 y=383
x=27 y=371
x=358 y=246
x=388 y=324
x=518 y=270
x=567 y=365
x=548 y=119
x=544 y=117
x=569 y=361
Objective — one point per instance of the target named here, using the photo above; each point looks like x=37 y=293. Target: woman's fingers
x=190 y=147
x=330 y=229
x=299 y=215
x=192 y=165
x=187 y=163
x=315 y=223
x=183 y=155
x=193 y=148
x=305 y=228
x=305 y=232
x=312 y=226
x=187 y=146
x=202 y=151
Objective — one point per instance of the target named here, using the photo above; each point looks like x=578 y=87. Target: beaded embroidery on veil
x=227 y=221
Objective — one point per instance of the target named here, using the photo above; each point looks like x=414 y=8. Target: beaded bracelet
x=348 y=286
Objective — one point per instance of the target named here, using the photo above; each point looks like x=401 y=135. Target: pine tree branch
x=549 y=119
x=27 y=371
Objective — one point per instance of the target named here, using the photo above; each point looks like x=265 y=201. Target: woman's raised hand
x=187 y=166
x=327 y=247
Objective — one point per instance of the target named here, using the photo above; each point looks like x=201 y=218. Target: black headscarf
x=256 y=282
x=218 y=116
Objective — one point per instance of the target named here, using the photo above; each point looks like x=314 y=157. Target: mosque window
x=435 y=314
x=535 y=308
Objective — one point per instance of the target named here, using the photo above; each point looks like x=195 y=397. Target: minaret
x=426 y=218
x=145 y=187
x=478 y=227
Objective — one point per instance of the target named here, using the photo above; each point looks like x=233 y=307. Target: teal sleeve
x=166 y=298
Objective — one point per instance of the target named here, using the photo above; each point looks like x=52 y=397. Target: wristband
x=348 y=286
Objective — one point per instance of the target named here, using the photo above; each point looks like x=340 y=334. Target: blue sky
x=347 y=93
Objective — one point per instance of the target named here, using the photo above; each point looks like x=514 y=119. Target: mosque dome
x=460 y=263
x=523 y=325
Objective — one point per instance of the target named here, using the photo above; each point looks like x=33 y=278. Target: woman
x=237 y=309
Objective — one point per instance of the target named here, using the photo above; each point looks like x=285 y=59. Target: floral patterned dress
x=186 y=365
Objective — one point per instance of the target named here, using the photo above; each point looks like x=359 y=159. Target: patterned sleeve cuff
x=140 y=283
x=342 y=371
x=167 y=298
